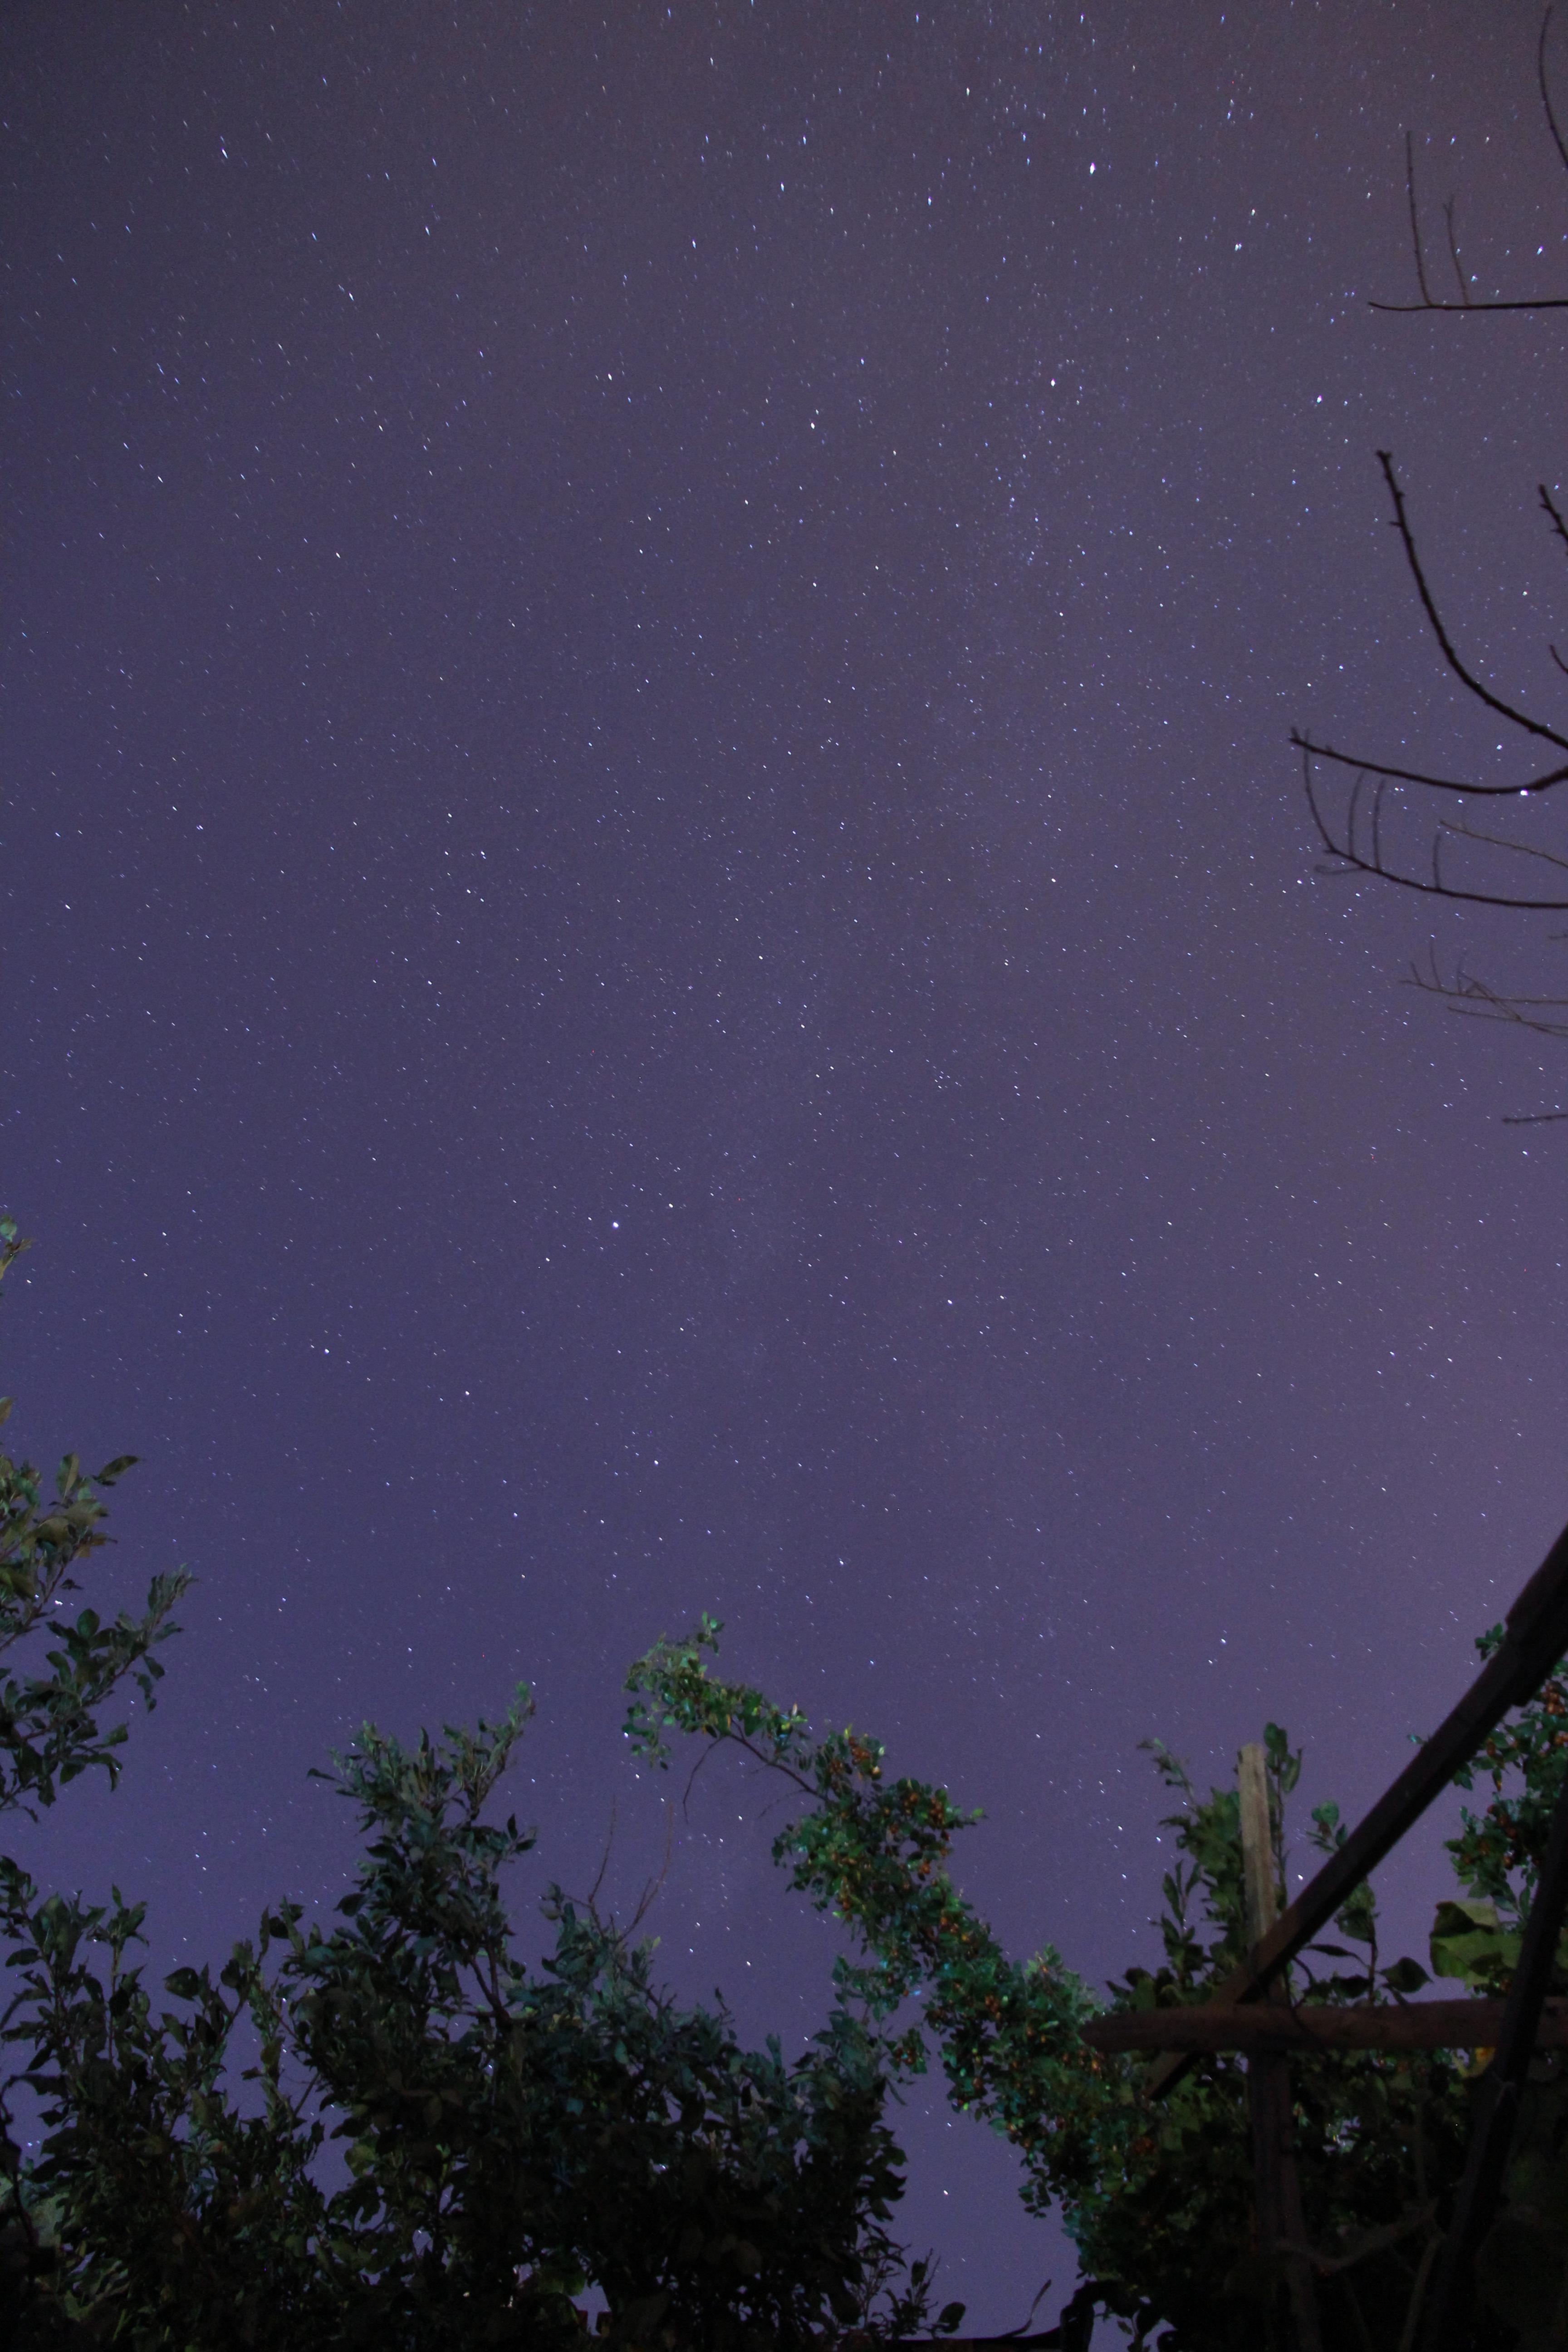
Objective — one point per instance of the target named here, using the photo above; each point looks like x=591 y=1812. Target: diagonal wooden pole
x=1535 y=1636
x=1281 y=2227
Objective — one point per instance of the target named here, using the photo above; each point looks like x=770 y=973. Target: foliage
x=509 y=2136
x=1379 y=2139
x=875 y=1854
x=1498 y=1856
x=387 y=2130
x=1159 y=2197
x=504 y=2137
x=48 y=1722
x=51 y=1728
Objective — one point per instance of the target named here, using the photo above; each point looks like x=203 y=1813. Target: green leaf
x=1469 y=1943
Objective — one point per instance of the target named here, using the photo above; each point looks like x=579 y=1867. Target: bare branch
x=1493 y=702
x=1341 y=844
x=1500 y=841
x=1542 y=784
x=654 y=1885
x=1477 y=999
x=603 y=1863
x=1545 y=90
x=1354 y=810
x=1361 y=816
x=1465 y=301
x=1427 y=302
x=1558 y=525
x=1545 y=302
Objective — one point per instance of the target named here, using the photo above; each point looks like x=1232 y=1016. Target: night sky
x=663 y=949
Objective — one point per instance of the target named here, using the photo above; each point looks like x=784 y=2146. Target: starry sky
x=662 y=948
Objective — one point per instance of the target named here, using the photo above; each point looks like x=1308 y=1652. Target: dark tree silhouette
x=1421 y=830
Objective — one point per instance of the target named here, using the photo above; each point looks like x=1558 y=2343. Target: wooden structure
x=1281 y=2223
x=1301 y=2027
x=1251 y=2013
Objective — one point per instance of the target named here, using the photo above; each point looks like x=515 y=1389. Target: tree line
x=509 y=2137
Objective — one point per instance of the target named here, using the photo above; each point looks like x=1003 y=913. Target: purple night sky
x=663 y=949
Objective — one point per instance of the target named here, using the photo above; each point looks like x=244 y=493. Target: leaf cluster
x=384 y=2130
x=508 y=2136
x=49 y=1731
x=1158 y=2196
x=874 y=1853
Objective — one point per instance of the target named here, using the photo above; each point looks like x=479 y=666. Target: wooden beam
x=1261 y=1890
x=1535 y=1637
x=1277 y=2191
x=1361 y=2025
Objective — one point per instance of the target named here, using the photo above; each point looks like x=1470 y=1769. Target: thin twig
x=1427 y=302
x=1545 y=90
x=1454 y=253
x=1500 y=841
x=1476 y=1000
x=604 y=1861
x=1354 y=810
x=1466 y=302
x=1558 y=525
x=651 y=1891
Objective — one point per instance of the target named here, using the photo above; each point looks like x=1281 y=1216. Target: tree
x=49 y=1722
x=1416 y=828
x=507 y=2135
x=1159 y=2198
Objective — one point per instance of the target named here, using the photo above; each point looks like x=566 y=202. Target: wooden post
x=1535 y=1638
x=1281 y=2228
x=1500 y=2090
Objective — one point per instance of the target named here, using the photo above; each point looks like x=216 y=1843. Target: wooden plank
x=1535 y=1637
x=1259 y=1891
x=1281 y=2227
x=1361 y=2025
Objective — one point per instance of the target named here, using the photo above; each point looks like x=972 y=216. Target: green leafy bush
x=508 y=2136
